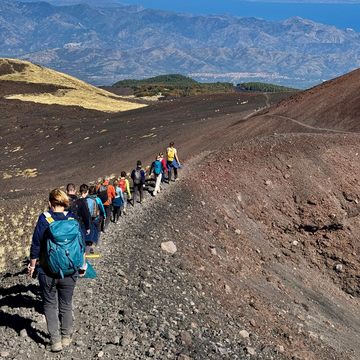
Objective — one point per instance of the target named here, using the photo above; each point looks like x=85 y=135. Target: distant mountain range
x=104 y=45
x=98 y=3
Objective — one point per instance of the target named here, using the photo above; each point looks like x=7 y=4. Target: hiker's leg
x=125 y=202
x=96 y=232
x=49 y=296
x=169 y=170
x=175 y=173
x=135 y=194
x=114 y=213
x=161 y=176
x=116 y=210
x=100 y=228
x=141 y=189
x=157 y=184
x=102 y=224
x=108 y=215
x=65 y=294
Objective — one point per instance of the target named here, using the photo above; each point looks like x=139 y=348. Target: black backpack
x=103 y=194
x=74 y=206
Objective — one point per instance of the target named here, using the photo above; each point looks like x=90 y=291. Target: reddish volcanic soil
x=282 y=216
x=265 y=218
x=335 y=104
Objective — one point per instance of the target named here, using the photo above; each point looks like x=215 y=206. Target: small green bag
x=90 y=272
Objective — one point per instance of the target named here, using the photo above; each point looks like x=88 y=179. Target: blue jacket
x=119 y=197
x=40 y=228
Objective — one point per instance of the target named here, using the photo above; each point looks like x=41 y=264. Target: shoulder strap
x=48 y=217
x=66 y=213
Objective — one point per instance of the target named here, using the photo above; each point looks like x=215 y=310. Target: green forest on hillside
x=173 y=85
x=263 y=87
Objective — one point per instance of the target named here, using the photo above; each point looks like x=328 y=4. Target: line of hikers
x=59 y=248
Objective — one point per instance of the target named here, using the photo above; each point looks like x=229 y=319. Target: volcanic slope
x=266 y=227
x=64 y=89
x=279 y=234
x=334 y=104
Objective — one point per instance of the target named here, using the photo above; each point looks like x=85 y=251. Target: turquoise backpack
x=64 y=253
x=157 y=167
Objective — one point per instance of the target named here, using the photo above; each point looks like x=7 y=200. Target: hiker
x=71 y=193
x=164 y=167
x=83 y=209
x=98 y=219
x=125 y=187
x=118 y=202
x=78 y=208
x=106 y=193
x=173 y=161
x=57 y=279
x=138 y=178
x=94 y=212
x=157 y=169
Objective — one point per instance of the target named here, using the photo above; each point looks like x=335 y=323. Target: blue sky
x=341 y=14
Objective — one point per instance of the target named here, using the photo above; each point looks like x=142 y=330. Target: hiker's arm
x=35 y=244
x=38 y=234
x=102 y=209
x=128 y=189
x=31 y=267
x=122 y=195
x=176 y=157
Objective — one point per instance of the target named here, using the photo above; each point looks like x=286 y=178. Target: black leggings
x=105 y=223
x=116 y=211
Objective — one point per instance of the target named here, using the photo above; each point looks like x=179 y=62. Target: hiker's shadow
x=17 y=297
x=149 y=185
x=21 y=296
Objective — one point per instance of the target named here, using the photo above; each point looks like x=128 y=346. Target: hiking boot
x=66 y=340
x=56 y=346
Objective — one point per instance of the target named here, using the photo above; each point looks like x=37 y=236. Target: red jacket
x=163 y=161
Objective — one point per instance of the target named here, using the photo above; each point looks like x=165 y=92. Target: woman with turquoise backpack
x=58 y=252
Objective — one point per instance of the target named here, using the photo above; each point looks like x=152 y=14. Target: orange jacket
x=111 y=195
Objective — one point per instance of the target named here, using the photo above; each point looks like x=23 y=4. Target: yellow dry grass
x=74 y=92
x=27 y=173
